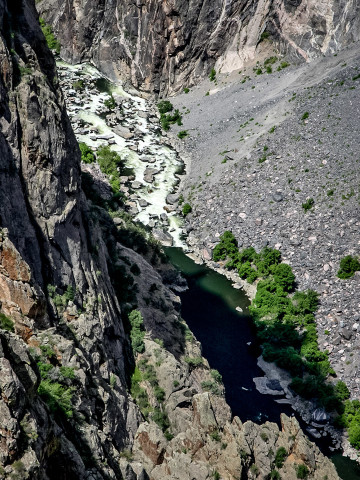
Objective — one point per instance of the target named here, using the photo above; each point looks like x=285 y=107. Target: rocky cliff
x=85 y=393
x=162 y=46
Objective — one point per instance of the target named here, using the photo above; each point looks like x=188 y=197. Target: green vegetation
x=6 y=323
x=194 y=362
x=137 y=333
x=183 y=134
x=56 y=387
x=186 y=209
x=87 y=155
x=79 y=85
x=110 y=103
x=301 y=471
x=280 y=457
x=110 y=163
x=308 y=204
x=212 y=75
x=61 y=301
x=350 y=419
x=186 y=90
x=348 y=266
x=305 y=116
x=145 y=372
x=51 y=41
x=285 y=320
x=165 y=118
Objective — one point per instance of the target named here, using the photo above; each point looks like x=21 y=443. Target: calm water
x=209 y=308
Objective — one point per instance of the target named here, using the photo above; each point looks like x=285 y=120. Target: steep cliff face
x=162 y=46
x=44 y=248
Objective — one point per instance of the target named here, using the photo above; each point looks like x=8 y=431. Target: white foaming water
x=86 y=106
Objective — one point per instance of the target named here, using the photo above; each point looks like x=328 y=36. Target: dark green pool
x=229 y=343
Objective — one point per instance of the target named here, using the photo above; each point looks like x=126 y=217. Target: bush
x=183 y=134
x=78 y=85
x=305 y=116
x=137 y=333
x=57 y=397
x=301 y=471
x=6 y=323
x=284 y=276
x=212 y=75
x=186 y=209
x=348 y=266
x=110 y=103
x=227 y=247
x=51 y=41
x=308 y=204
x=280 y=457
x=87 y=155
x=161 y=419
x=110 y=162
x=342 y=391
x=164 y=107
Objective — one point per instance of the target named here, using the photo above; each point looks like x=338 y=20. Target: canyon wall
x=65 y=352
x=163 y=46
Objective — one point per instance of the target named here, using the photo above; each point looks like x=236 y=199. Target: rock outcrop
x=163 y=46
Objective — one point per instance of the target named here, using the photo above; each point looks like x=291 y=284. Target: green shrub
x=284 y=277
x=186 y=90
x=301 y=471
x=216 y=376
x=137 y=333
x=210 y=386
x=227 y=247
x=57 y=397
x=194 y=362
x=280 y=457
x=51 y=41
x=183 y=134
x=215 y=436
x=110 y=162
x=6 y=323
x=87 y=155
x=274 y=475
x=212 y=75
x=186 y=209
x=164 y=107
x=348 y=266
x=78 y=85
x=305 y=116
x=308 y=204
x=270 y=61
x=110 y=103
x=341 y=390
x=161 y=419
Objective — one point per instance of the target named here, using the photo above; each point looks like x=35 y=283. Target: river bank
x=95 y=132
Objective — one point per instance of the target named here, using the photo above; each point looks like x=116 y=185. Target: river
x=209 y=305
x=229 y=343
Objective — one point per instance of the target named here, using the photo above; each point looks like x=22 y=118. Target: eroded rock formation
x=162 y=46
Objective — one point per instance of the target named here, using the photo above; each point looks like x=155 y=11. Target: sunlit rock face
x=162 y=46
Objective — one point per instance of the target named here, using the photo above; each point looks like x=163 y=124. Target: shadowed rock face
x=160 y=47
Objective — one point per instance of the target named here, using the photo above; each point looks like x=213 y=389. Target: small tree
x=186 y=209
x=284 y=276
x=348 y=266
